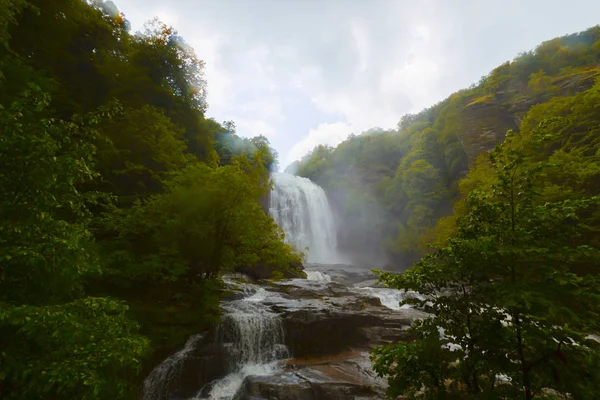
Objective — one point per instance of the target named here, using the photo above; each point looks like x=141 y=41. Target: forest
x=394 y=190
x=122 y=203
x=493 y=196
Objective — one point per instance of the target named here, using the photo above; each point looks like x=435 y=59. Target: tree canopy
x=114 y=184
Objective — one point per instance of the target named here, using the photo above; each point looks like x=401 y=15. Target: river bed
x=300 y=339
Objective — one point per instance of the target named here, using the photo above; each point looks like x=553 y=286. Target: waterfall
x=301 y=209
x=250 y=338
x=253 y=337
x=164 y=379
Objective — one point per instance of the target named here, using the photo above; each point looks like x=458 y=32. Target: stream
x=301 y=339
x=297 y=339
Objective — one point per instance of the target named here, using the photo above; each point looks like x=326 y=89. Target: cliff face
x=486 y=119
x=484 y=123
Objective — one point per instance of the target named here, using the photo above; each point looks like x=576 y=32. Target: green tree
x=506 y=303
x=541 y=86
x=56 y=343
x=138 y=149
x=208 y=221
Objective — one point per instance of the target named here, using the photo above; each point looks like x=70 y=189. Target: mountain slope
x=390 y=188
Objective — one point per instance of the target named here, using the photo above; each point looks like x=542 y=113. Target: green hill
x=391 y=188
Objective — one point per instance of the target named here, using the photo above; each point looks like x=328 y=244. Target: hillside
x=390 y=188
x=122 y=202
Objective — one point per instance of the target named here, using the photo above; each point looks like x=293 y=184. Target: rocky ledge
x=330 y=323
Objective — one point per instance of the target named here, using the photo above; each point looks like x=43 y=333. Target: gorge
x=296 y=339
x=140 y=240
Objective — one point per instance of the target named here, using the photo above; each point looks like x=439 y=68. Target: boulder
x=342 y=376
x=200 y=368
x=307 y=385
x=334 y=319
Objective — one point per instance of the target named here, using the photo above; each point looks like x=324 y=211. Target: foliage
x=138 y=149
x=46 y=349
x=448 y=137
x=43 y=161
x=215 y=207
x=82 y=349
x=121 y=201
x=505 y=295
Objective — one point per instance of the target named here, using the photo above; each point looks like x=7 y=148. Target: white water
x=301 y=209
x=227 y=387
x=317 y=276
x=254 y=338
x=389 y=298
x=165 y=378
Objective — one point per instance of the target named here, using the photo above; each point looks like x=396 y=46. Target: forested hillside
x=391 y=189
x=121 y=202
x=503 y=181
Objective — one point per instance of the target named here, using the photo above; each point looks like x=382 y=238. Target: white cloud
x=250 y=128
x=310 y=72
x=361 y=41
x=328 y=134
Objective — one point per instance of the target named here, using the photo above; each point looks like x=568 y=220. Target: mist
x=357 y=222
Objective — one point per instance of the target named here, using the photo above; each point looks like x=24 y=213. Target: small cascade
x=253 y=338
x=318 y=276
x=165 y=379
x=301 y=209
x=389 y=298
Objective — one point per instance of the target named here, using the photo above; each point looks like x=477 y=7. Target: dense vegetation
x=122 y=203
x=515 y=293
x=503 y=179
x=390 y=188
x=512 y=282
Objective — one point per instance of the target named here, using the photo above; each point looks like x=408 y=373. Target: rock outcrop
x=328 y=330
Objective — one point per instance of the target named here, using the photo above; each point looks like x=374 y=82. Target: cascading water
x=301 y=209
x=317 y=276
x=165 y=378
x=253 y=337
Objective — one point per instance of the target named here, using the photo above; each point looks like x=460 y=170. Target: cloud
x=256 y=126
x=305 y=72
x=328 y=134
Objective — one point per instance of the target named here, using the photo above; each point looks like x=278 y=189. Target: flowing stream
x=301 y=209
x=165 y=378
x=251 y=337
x=254 y=339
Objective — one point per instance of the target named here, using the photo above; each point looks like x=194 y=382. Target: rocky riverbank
x=300 y=339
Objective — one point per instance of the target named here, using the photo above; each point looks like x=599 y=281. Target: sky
x=309 y=72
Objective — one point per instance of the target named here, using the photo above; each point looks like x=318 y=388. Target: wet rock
x=312 y=333
x=331 y=289
x=182 y=374
x=346 y=275
x=306 y=386
x=327 y=327
x=359 y=322
x=203 y=366
x=231 y=295
x=346 y=375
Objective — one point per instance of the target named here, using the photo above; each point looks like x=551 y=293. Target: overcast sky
x=305 y=72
